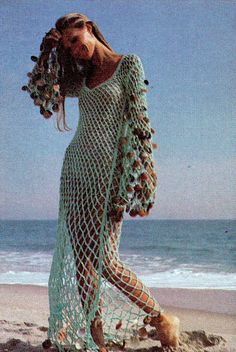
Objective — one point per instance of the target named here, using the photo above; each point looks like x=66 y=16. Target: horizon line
x=56 y=219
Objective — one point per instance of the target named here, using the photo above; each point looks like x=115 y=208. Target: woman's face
x=79 y=41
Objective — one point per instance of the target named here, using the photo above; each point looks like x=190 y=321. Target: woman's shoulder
x=131 y=60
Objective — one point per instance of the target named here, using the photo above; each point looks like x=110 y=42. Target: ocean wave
x=175 y=278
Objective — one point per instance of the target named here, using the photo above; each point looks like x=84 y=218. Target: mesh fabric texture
x=108 y=168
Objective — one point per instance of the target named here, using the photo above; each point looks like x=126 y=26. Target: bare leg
x=85 y=244
x=126 y=281
x=115 y=271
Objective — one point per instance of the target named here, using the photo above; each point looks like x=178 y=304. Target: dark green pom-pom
x=34 y=58
x=33 y=95
x=42 y=110
x=25 y=88
x=55 y=107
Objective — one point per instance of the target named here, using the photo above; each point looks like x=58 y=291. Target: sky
x=187 y=48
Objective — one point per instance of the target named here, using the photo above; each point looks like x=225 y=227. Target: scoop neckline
x=107 y=80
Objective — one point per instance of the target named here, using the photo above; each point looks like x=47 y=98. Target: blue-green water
x=163 y=253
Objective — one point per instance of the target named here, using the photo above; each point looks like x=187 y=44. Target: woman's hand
x=50 y=41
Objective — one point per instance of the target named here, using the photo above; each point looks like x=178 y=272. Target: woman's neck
x=103 y=57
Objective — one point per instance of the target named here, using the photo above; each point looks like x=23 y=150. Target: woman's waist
x=91 y=149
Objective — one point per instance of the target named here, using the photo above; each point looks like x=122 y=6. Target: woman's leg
x=115 y=271
x=84 y=220
x=85 y=244
x=167 y=325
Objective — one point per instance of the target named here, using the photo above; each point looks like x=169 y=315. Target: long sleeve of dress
x=139 y=181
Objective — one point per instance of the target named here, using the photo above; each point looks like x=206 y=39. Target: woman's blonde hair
x=72 y=70
x=56 y=72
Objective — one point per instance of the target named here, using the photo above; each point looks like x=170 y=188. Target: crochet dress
x=107 y=169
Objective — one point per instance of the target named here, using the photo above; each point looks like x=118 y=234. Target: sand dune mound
x=190 y=341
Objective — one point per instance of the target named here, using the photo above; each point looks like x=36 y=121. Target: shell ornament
x=138 y=182
x=43 y=84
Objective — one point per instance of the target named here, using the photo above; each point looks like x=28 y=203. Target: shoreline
x=186 y=298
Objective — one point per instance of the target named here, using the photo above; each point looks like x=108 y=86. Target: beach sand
x=207 y=316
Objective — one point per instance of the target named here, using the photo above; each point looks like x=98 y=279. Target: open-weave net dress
x=108 y=168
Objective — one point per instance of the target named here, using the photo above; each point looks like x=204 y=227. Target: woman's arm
x=139 y=157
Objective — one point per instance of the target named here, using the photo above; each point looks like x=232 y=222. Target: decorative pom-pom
x=37 y=102
x=133 y=213
x=33 y=95
x=133 y=97
x=47 y=114
x=138 y=187
x=140 y=133
x=152 y=130
x=150 y=205
x=143 y=332
x=46 y=344
x=154 y=145
x=147 y=320
x=129 y=189
x=142 y=213
x=136 y=164
x=47 y=95
x=144 y=176
x=55 y=107
x=118 y=325
x=34 y=58
x=25 y=88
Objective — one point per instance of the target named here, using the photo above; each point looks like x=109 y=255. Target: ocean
x=163 y=253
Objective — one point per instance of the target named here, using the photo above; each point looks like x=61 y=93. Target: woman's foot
x=168 y=329
x=97 y=334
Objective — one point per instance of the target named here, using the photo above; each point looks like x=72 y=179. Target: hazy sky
x=187 y=49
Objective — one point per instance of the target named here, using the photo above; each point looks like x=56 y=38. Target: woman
x=108 y=168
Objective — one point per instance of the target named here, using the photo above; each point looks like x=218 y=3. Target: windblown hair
x=67 y=71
